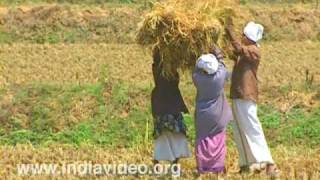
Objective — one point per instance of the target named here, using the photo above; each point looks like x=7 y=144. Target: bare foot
x=272 y=170
x=257 y=167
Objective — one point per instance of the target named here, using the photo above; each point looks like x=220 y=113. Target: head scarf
x=253 y=31
x=208 y=63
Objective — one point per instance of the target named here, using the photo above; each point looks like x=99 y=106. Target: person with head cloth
x=167 y=106
x=254 y=153
x=212 y=112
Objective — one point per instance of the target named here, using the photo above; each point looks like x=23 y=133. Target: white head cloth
x=208 y=63
x=253 y=31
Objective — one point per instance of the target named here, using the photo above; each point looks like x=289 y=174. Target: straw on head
x=184 y=29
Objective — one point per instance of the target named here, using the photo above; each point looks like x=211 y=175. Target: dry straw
x=184 y=29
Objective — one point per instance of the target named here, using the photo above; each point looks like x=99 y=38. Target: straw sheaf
x=183 y=30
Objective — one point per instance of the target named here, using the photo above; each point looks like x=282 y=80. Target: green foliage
x=46 y=37
x=45 y=107
x=6 y=37
x=117 y=121
x=109 y=125
x=80 y=134
x=189 y=121
x=40 y=120
x=20 y=137
x=303 y=128
x=119 y=95
x=270 y=118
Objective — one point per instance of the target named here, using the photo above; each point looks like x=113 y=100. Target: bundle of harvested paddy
x=184 y=29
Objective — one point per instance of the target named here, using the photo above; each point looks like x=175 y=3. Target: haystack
x=184 y=29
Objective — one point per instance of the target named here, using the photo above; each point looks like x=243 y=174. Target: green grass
x=295 y=127
x=115 y=122
x=270 y=117
x=304 y=128
x=6 y=37
x=119 y=122
x=111 y=132
x=119 y=95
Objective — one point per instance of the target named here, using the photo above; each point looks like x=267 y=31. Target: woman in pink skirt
x=212 y=112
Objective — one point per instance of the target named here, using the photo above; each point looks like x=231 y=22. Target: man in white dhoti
x=248 y=133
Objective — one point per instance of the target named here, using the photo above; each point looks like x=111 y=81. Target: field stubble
x=75 y=74
x=283 y=66
x=295 y=163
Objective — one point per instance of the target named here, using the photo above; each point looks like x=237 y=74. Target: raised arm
x=251 y=53
x=234 y=41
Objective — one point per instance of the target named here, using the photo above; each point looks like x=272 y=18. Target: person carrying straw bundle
x=248 y=133
x=212 y=112
x=167 y=105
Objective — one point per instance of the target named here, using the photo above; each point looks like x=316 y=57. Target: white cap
x=253 y=31
x=208 y=62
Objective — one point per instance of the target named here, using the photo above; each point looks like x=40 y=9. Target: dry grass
x=295 y=163
x=68 y=23
x=81 y=63
x=76 y=63
x=74 y=23
x=295 y=22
